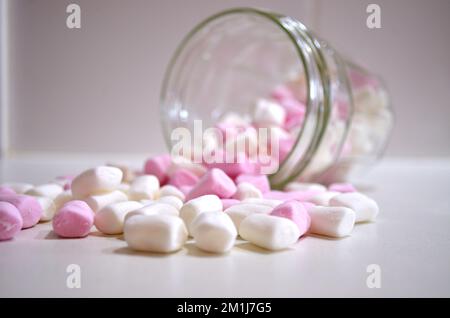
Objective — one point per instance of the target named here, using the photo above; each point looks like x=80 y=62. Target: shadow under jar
x=233 y=59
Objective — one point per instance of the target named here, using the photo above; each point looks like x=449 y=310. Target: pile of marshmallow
x=159 y=208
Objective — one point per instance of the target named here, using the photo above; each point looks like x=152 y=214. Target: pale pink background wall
x=97 y=89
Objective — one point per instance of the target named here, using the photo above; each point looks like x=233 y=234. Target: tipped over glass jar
x=247 y=69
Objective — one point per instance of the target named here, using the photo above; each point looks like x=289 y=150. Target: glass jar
x=240 y=55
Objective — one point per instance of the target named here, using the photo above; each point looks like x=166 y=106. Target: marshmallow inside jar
x=258 y=96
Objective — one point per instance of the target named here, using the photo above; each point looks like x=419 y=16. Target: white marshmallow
x=268 y=231
x=127 y=172
x=365 y=208
x=205 y=203
x=48 y=208
x=48 y=190
x=235 y=119
x=268 y=113
x=96 y=202
x=144 y=187
x=19 y=187
x=240 y=211
x=110 y=219
x=323 y=199
x=170 y=190
x=154 y=208
x=124 y=187
x=269 y=202
x=301 y=186
x=331 y=221
x=155 y=233
x=95 y=181
x=214 y=232
x=62 y=199
x=172 y=200
x=247 y=190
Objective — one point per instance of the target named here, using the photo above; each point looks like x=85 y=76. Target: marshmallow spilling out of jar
x=173 y=200
x=215 y=212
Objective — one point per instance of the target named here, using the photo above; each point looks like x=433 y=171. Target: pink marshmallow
x=10 y=221
x=296 y=212
x=229 y=202
x=7 y=190
x=158 y=167
x=74 y=219
x=295 y=112
x=301 y=196
x=284 y=147
x=281 y=92
x=342 y=187
x=183 y=178
x=259 y=181
x=28 y=206
x=240 y=165
x=308 y=205
x=215 y=181
x=185 y=189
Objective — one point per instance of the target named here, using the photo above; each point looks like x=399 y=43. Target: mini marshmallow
x=268 y=231
x=269 y=202
x=296 y=212
x=365 y=208
x=247 y=190
x=323 y=198
x=154 y=208
x=158 y=166
x=229 y=203
x=73 y=220
x=268 y=114
x=127 y=173
x=169 y=190
x=301 y=186
x=239 y=212
x=292 y=195
x=342 y=187
x=205 y=203
x=260 y=181
x=48 y=208
x=96 y=202
x=110 y=219
x=10 y=221
x=331 y=221
x=214 y=232
x=49 y=190
x=144 y=187
x=28 y=206
x=155 y=233
x=240 y=165
x=233 y=118
x=96 y=181
x=19 y=187
x=183 y=178
x=171 y=200
x=215 y=181
x=7 y=190
x=124 y=187
x=180 y=162
x=62 y=199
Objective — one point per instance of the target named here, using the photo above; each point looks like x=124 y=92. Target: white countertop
x=410 y=242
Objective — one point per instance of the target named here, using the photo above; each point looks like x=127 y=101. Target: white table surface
x=410 y=242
